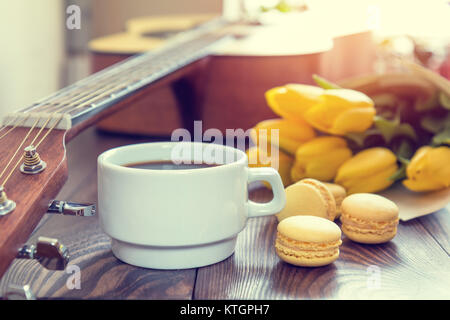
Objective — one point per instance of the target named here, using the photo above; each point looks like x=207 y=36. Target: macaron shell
x=368 y=206
x=309 y=229
x=368 y=238
x=307 y=260
x=308 y=197
x=339 y=195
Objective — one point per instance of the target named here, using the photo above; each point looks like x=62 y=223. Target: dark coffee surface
x=168 y=165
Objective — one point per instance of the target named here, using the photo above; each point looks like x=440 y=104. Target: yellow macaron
x=308 y=241
x=369 y=218
x=308 y=197
x=339 y=194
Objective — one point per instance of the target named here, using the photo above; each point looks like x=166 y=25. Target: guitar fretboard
x=89 y=96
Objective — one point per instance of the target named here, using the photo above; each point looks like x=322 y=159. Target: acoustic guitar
x=227 y=90
x=33 y=164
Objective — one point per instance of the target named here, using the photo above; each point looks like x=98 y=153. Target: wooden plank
x=438 y=225
x=411 y=266
x=102 y=275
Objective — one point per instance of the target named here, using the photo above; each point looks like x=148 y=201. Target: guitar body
x=227 y=92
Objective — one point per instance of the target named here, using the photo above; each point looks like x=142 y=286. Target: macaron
x=308 y=197
x=339 y=194
x=308 y=241
x=369 y=218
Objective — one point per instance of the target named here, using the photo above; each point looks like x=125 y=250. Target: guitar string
x=8 y=124
x=49 y=130
x=76 y=88
x=15 y=126
x=100 y=81
x=20 y=160
x=40 y=131
x=99 y=93
x=138 y=71
x=112 y=86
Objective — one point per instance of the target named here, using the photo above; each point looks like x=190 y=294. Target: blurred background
x=40 y=54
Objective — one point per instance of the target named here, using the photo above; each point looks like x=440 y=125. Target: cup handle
x=279 y=197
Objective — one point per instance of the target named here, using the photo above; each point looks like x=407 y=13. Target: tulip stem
x=401 y=172
x=324 y=83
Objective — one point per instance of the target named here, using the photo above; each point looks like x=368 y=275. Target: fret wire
x=105 y=90
x=76 y=94
x=142 y=73
x=98 y=89
x=128 y=73
x=77 y=87
x=88 y=97
x=108 y=78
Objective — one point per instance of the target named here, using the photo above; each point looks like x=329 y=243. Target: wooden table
x=414 y=265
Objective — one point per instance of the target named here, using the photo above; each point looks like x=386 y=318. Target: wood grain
x=102 y=275
x=414 y=265
x=31 y=193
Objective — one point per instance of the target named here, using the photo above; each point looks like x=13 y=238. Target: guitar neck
x=83 y=100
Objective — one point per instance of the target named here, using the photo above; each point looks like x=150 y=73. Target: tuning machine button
x=16 y=292
x=71 y=208
x=6 y=205
x=49 y=252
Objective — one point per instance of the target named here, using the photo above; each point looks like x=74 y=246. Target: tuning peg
x=32 y=163
x=71 y=208
x=6 y=205
x=15 y=292
x=49 y=252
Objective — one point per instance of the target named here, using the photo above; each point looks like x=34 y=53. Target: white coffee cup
x=176 y=219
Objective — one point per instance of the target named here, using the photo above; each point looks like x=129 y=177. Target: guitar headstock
x=32 y=191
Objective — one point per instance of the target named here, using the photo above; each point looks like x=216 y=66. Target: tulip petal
x=291 y=134
x=371 y=183
x=292 y=101
x=353 y=120
x=429 y=169
x=366 y=163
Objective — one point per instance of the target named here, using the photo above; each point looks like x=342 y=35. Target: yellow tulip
x=293 y=100
x=341 y=111
x=320 y=158
x=429 y=169
x=368 y=171
x=291 y=134
x=258 y=158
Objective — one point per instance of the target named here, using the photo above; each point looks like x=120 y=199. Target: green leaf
x=435 y=124
x=404 y=151
x=359 y=137
x=400 y=174
x=441 y=138
x=283 y=6
x=392 y=128
x=324 y=83
x=444 y=100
